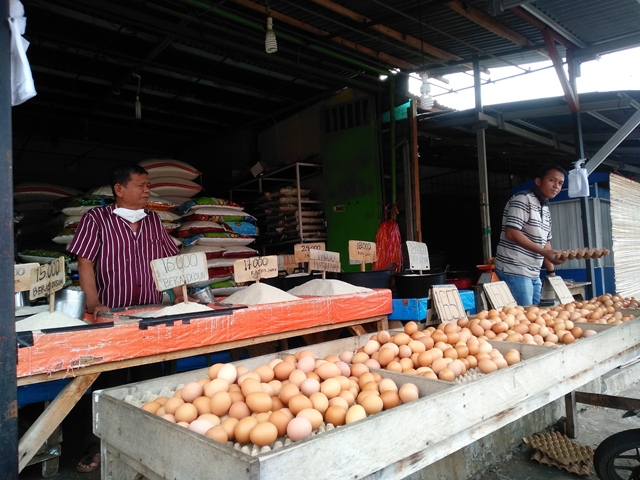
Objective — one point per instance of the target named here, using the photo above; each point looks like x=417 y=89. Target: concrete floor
x=594 y=424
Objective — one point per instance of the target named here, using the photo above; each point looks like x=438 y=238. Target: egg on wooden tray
x=284 y=401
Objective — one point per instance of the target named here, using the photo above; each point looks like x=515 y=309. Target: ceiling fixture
x=426 y=100
x=270 y=43
x=138 y=105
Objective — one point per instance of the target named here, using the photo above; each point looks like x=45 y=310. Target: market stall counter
x=121 y=341
x=391 y=444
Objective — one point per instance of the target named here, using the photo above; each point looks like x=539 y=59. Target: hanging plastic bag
x=389 y=243
x=22 y=86
x=578 y=180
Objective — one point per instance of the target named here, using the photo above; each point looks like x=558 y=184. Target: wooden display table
x=83 y=354
x=391 y=444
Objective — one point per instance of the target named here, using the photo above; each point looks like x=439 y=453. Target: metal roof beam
x=564 y=110
x=552 y=24
x=613 y=142
x=615 y=45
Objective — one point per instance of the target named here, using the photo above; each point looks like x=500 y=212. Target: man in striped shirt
x=525 y=241
x=115 y=245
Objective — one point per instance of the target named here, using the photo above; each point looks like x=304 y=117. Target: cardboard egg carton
x=580 y=253
x=559 y=451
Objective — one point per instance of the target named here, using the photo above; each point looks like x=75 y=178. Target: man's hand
x=96 y=309
x=553 y=257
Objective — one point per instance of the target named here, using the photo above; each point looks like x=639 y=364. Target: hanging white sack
x=578 y=180
x=22 y=86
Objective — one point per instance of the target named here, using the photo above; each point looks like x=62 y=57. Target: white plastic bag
x=22 y=86
x=578 y=180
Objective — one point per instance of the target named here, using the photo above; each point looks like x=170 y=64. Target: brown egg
x=446 y=375
x=335 y=415
x=259 y=402
x=283 y=369
x=218 y=434
x=280 y=420
x=297 y=377
x=328 y=370
x=243 y=429
x=239 y=410
x=487 y=366
x=172 y=405
x=319 y=401
x=410 y=328
x=298 y=403
x=214 y=419
x=186 y=412
x=202 y=404
x=306 y=363
x=512 y=356
x=390 y=399
x=313 y=415
x=250 y=385
x=229 y=426
x=236 y=396
x=213 y=370
x=216 y=385
x=228 y=372
x=265 y=372
x=568 y=338
x=408 y=393
x=372 y=404
x=169 y=417
x=331 y=388
x=287 y=391
x=263 y=434
x=151 y=407
x=383 y=336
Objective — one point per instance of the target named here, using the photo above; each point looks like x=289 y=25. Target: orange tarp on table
x=69 y=350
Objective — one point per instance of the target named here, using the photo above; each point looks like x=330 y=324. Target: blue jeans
x=525 y=290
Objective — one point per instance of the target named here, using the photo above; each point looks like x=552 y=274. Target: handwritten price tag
x=22 y=276
x=255 y=268
x=360 y=252
x=499 y=295
x=301 y=250
x=47 y=279
x=179 y=270
x=418 y=255
x=448 y=302
x=287 y=263
x=324 y=261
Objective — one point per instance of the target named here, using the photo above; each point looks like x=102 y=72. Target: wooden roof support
x=569 y=93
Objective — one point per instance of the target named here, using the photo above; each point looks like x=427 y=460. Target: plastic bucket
x=367 y=279
x=413 y=285
x=71 y=302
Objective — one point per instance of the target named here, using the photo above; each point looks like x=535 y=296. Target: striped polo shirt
x=528 y=212
x=121 y=257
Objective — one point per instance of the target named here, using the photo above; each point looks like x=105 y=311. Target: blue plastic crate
x=409 y=309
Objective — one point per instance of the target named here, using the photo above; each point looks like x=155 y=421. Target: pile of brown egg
x=443 y=353
x=604 y=309
x=292 y=396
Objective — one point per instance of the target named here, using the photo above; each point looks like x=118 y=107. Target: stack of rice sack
x=32 y=205
x=222 y=230
x=283 y=219
x=172 y=180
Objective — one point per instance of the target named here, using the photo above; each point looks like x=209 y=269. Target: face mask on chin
x=132 y=216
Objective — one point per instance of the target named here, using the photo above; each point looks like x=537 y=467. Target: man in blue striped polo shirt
x=525 y=241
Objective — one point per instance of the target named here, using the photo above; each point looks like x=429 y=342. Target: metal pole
x=8 y=349
x=392 y=128
x=483 y=182
x=585 y=207
x=415 y=175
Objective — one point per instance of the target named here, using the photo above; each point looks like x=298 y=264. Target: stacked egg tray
x=558 y=450
x=583 y=253
x=379 y=444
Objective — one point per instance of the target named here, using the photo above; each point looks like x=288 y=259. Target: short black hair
x=122 y=175
x=544 y=171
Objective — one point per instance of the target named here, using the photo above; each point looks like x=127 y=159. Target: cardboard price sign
x=418 y=255
x=499 y=295
x=324 y=261
x=287 y=263
x=255 y=268
x=301 y=250
x=362 y=252
x=561 y=290
x=22 y=276
x=180 y=270
x=448 y=303
x=47 y=279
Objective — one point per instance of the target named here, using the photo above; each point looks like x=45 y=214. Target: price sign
x=180 y=270
x=301 y=250
x=324 y=261
x=447 y=302
x=561 y=290
x=47 y=279
x=287 y=263
x=418 y=255
x=499 y=295
x=22 y=276
x=361 y=252
x=255 y=268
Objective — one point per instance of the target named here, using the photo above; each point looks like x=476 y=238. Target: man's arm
x=88 y=285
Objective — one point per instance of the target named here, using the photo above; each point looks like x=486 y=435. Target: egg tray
x=559 y=451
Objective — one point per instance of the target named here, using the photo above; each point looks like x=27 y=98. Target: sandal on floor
x=88 y=463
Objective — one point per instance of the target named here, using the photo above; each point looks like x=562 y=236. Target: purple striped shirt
x=122 y=258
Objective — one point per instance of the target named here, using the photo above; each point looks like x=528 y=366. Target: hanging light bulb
x=270 y=43
x=426 y=100
x=138 y=104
